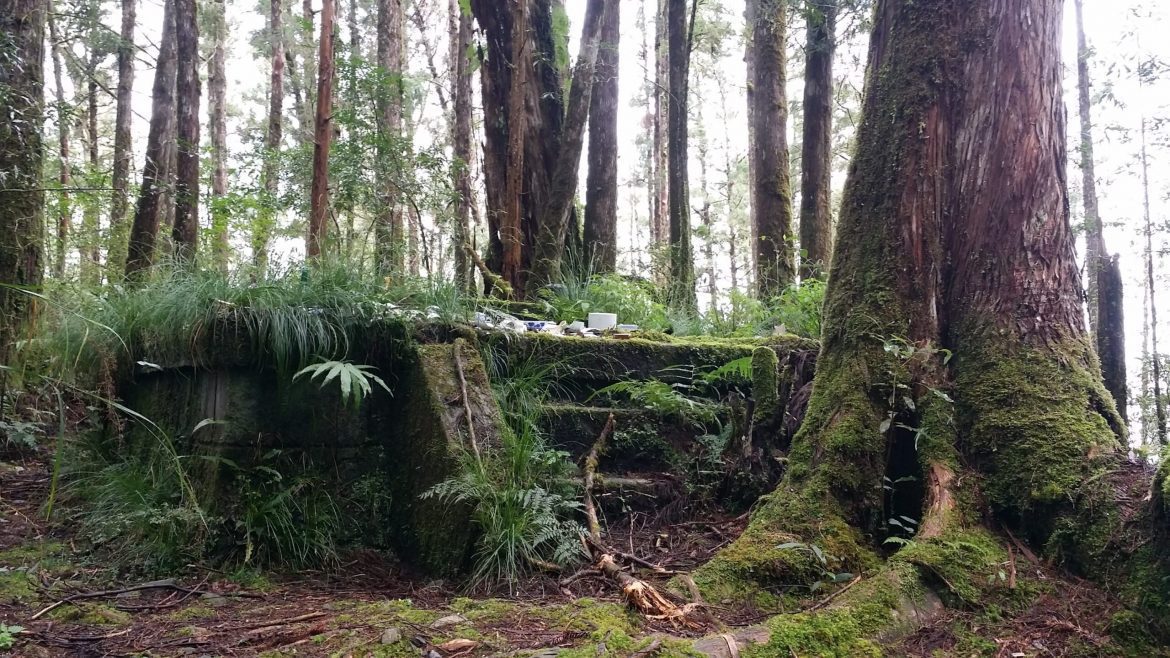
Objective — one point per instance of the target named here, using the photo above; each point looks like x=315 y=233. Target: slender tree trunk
x=309 y=70
x=270 y=172
x=554 y=227
x=389 y=236
x=601 y=183
x=123 y=145
x=319 y=196
x=682 y=266
x=771 y=186
x=91 y=255
x=64 y=207
x=660 y=220
x=1160 y=429
x=705 y=215
x=22 y=198
x=955 y=278
x=148 y=212
x=185 y=231
x=1106 y=321
x=217 y=113
x=1094 y=235
x=816 y=150
x=460 y=37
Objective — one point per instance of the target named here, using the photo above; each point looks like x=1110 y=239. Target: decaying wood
x=941 y=500
x=590 y=474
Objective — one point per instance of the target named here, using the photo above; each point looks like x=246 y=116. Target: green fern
x=355 y=380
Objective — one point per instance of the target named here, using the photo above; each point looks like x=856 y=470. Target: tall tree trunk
x=123 y=145
x=1094 y=234
x=682 y=265
x=185 y=231
x=511 y=237
x=554 y=226
x=91 y=255
x=217 y=114
x=22 y=197
x=816 y=147
x=460 y=38
x=955 y=278
x=64 y=207
x=601 y=182
x=1160 y=429
x=771 y=187
x=309 y=70
x=319 y=195
x=660 y=219
x=148 y=212
x=1102 y=272
x=389 y=236
x=273 y=134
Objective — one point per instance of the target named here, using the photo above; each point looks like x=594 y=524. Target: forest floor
x=68 y=602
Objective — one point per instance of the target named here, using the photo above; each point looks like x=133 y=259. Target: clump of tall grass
x=285 y=319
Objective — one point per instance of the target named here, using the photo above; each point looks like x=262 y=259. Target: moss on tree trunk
x=956 y=386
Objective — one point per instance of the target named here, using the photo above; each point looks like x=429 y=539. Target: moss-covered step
x=643 y=439
x=600 y=361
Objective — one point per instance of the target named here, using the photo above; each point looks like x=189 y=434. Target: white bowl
x=602 y=321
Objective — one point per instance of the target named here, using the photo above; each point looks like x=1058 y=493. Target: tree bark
x=148 y=212
x=64 y=207
x=771 y=186
x=601 y=182
x=217 y=114
x=323 y=130
x=1160 y=429
x=955 y=278
x=389 y=234
x=816 y=147
x=660 y=219
x=511 y=236
x=553 y=230
x=90 y=238
x=1094 y=235
x=461 y=140
x=123 y=145
x=682 y=266
x=22 y=198
x=185 y=231
x=273 y=135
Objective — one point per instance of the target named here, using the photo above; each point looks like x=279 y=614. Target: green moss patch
x=92 y=614
x=17 y=587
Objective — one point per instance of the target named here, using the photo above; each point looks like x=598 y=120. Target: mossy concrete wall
x=238 y=414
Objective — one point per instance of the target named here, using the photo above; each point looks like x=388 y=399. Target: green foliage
x=8 y=635
x=285 y=320
x=354 y=380
x=631 y=299
x=660 y=397
x=522 y=504
x=289 y=521
x=827 y=575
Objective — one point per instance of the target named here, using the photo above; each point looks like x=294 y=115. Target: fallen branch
x=496 y=281
x=829 y=599
x=276 y=622
x=157 y=584
x=466 y=403
x=590 y=474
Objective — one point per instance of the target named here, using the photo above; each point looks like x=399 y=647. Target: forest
x=584 y=328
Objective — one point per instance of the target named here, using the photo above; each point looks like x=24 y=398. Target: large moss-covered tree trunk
x=956 y=382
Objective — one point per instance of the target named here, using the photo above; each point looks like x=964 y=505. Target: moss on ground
x=93 y=614
x=970 y=563
x=17 y=587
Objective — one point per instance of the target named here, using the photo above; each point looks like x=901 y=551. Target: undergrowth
x=524 y=508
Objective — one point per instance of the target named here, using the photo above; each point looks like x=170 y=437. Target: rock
x=449 y=620
x=391 y=635
x=214 y=600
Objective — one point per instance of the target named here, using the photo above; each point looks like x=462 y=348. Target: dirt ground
x=58 y=599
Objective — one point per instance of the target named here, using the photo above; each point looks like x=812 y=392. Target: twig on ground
x=466 y=402
x=829 y=599
x=157 y=584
